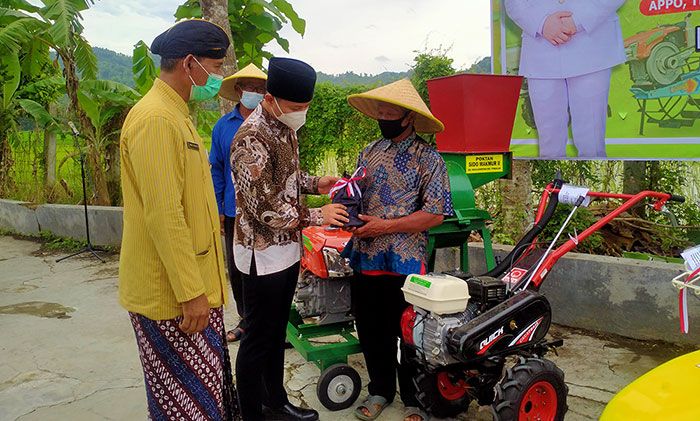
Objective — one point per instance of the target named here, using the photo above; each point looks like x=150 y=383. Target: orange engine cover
x=314 y=240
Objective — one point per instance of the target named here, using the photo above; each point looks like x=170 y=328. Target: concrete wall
x=63 y=221
x=628 y=297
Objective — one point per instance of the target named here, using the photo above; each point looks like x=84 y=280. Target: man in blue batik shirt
x=406 y=192
x=246 y=87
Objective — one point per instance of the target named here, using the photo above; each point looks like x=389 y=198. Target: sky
x=364 y=36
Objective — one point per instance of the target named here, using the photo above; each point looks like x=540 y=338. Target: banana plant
x=254 y=24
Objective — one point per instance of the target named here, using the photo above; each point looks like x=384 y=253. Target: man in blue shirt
x=246 y=87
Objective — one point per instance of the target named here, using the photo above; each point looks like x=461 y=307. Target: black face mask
x=391 y=128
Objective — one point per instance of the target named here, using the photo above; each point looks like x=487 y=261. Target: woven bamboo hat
x=228 y=86
x=403 y=94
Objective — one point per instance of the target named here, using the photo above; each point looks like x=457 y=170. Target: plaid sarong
x=188 y=377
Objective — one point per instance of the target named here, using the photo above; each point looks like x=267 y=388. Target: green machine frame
x=454 y=231
x=301 y=334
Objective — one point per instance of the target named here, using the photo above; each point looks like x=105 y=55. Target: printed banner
x=603 y=78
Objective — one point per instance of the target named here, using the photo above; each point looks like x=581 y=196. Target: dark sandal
x=234 y=335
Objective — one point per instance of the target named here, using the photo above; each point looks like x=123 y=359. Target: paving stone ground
x=68 y=350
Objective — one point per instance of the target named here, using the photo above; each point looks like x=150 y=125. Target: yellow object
x=477 y=164
x=668 y=392
x=228 y=86
x=403 y=94
x=171 y=247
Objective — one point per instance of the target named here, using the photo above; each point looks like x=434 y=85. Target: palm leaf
x=65 y=18
x=85 y=59
x=21 y=5
x=143 y=68
x=17 y=33
x=9 y=77
x=43 y=118
x=35 y=57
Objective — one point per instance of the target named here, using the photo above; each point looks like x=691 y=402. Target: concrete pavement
x=68 y=350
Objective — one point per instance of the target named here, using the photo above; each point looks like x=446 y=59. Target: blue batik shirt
x=402 y=178
x=221 y=138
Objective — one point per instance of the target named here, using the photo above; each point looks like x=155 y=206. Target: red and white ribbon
x=349 y=184
x=692 y=277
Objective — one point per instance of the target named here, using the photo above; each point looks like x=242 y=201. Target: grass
x=27 y=171
x=52 y=242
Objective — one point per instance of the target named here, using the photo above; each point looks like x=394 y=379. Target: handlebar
x=676 y=198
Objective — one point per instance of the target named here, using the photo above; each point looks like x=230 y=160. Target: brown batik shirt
x=268 y=183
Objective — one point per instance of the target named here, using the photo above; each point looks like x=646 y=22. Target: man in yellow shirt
x=171 y=271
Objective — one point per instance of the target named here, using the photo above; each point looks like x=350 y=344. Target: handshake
x=559 y=27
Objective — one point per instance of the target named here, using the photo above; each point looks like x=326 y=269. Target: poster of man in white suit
x=569 y=48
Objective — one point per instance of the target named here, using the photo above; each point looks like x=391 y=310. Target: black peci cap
x=195 y=36
x=290 y=79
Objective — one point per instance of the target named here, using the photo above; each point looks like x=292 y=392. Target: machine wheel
x=338 y=387
x=442 y=396
x=533 y=389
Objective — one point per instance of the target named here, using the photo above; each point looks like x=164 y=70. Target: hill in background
x=117 y=67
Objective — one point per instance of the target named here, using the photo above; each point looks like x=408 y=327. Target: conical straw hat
x=228 y=86
x=403 y=94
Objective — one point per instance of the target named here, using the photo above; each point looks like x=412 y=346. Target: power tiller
x=464 y=328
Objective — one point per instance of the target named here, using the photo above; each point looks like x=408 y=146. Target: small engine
x=328 y=299
x=441 y=304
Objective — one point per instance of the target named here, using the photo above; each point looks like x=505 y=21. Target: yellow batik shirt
x=171 y=248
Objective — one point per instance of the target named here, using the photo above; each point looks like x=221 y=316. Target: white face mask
x=293 y=120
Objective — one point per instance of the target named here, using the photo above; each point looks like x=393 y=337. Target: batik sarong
x=188 y=377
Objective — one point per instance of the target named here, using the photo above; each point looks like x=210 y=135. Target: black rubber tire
x=517 y=381
x=341 y=400
x=431 y=400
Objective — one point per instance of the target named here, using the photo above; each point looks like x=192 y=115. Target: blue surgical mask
x=250 y=100
x=209 y=89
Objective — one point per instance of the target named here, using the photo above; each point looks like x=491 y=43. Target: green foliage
x=352 y=78
x=334 y=131
x=254 y=24
x=53 y=242
x=427 y=65
x=143 y=68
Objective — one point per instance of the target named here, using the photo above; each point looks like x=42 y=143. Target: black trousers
x=234 y=275
x=377 y=303
x=260 y=361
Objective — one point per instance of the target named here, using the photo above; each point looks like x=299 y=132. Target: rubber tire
x=518 y=379
x=325 y=379
x=431 y=401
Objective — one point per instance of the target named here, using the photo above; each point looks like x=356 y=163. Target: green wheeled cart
x=339 y=384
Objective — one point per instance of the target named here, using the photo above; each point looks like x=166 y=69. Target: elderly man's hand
x=195 y=315
x=325 y=184
x=373 y=227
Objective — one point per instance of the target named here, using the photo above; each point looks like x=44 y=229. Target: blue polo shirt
x=221 y=139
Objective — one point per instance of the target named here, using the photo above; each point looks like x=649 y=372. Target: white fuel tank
x=438 y=293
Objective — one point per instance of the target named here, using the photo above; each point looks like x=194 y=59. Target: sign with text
x=484 y=164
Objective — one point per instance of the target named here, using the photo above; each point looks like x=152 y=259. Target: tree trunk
x=5 y=164
x=217 y=11
x=93 y=160
x=634 y=181
x=50 y=153
x=515 y=207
